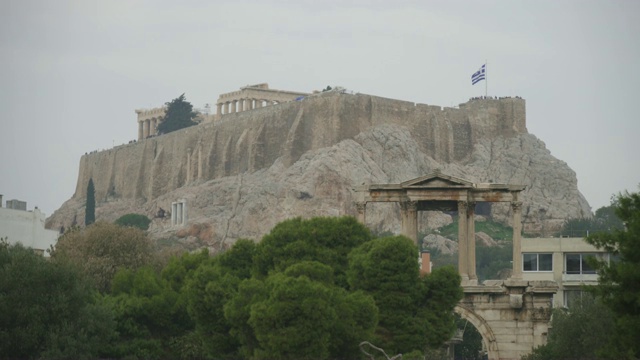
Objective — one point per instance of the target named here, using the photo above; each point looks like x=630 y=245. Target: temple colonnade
x=253 y=97
x=148 y=121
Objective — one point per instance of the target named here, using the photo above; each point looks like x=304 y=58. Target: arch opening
x=481 y=325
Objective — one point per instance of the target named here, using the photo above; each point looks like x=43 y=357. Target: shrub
x=134 y=220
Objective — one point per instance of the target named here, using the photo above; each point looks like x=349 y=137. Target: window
x=537 y=262
x=571 y=297
x=577 y=264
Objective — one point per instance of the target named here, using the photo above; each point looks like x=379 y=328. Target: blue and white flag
x=478 y=75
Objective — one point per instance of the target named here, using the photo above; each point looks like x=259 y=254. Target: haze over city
x=73 y=72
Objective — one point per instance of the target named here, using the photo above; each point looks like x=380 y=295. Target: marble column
x=145 y=129
x=154 y=126
x=516 y=206
x=219 y=109
x=228 y=107
x=462 y=241
x=471 y=242
x=409 y=214
x=253 y=102
x=362 y=209
x=234 y=103
x=140 y=131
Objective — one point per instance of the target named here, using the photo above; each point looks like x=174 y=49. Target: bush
x=134 y=220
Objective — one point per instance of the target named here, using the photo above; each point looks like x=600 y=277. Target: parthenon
x=254 y=96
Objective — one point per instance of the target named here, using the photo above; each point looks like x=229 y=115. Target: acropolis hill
x=255 y=163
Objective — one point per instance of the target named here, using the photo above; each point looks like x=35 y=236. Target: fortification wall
x=252 y=140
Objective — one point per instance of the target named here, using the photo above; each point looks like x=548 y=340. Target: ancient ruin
x=243 y=172
x=441 y=192
x=252 y=97
x=513 y=315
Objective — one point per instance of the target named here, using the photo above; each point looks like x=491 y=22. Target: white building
x=563 y=260
x=26 y=227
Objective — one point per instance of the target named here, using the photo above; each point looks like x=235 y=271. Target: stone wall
x=253 y=140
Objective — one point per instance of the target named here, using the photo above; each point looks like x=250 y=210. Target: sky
x=72 y=72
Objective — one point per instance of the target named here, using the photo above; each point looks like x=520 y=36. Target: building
x=26 y=227
x=563 y=260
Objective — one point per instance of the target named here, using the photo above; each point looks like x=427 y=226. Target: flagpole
x=486 y=78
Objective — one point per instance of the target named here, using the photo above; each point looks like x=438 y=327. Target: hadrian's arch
x=511 y=315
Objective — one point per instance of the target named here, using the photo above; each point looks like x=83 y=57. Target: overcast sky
x=72 y=72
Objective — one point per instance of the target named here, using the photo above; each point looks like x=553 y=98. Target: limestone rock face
x=244 y=174
x=444 y=245
x=483 y=239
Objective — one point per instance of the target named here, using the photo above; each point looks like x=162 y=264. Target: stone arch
x=483 y=328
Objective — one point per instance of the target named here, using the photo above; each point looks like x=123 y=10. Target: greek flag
x=478 y=75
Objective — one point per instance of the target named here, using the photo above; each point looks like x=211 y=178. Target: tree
x=605 y=219
x=581 y=333
x=102 y=249
x=178 y=115
x=90 y=208
x=135 y=220
x=47 y=309
x=414 y=312
x=325 y=239
x=149 y=314
x=619 y=279
x=300 y=314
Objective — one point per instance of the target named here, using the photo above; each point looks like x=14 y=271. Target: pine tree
x=90 y=210
x=179 y=115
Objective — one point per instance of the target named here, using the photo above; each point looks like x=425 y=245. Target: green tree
x=325 y=239
x=179 y=114
x=102 y=249
x=135 y=220
x=581 y=333
x=619 y=279
x=90 y=208
x=149 y=315
x=605 y=219
x=209 y=290
x=414 y=312
x=48 y=309
x=300 y=314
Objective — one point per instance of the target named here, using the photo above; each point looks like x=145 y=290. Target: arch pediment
x=437 y=180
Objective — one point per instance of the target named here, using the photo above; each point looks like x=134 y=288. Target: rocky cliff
x=250 y=170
